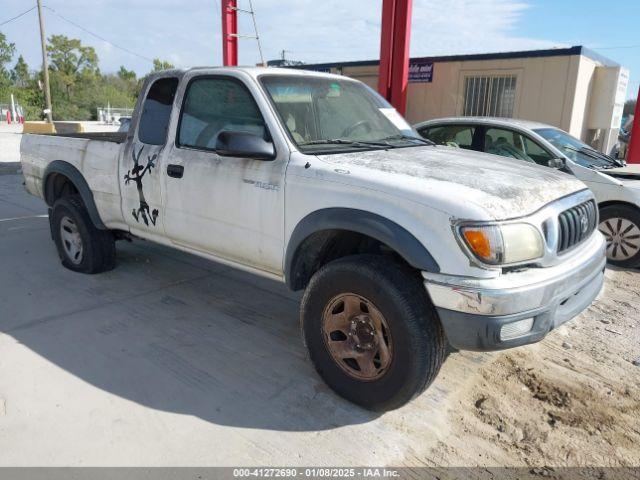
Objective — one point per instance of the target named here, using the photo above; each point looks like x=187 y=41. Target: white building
x=572 y=88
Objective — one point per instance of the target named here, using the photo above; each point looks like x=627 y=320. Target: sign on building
x=420 y=71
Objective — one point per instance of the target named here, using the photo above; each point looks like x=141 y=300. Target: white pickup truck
x=314 y=180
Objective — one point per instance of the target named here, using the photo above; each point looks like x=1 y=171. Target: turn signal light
x=478 y=241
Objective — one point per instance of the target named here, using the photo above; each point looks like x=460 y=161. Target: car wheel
x=620 y=224
x=81 y=246
x=371 y=331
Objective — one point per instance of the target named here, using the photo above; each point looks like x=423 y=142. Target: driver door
x=232 y=208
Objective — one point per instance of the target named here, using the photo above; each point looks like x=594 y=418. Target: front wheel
x=371 y=331
x=620 y=224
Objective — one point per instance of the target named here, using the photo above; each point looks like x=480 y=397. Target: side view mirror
x=244 y=145
x=556 y=163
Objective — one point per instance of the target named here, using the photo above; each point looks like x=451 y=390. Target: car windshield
x=577 y=150
x=324 y=115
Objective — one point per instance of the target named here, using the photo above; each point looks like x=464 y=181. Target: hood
x=630 y=172
x=502 y=187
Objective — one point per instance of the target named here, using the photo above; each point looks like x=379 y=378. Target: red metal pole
x=400 y=65
x=394 y=52
x=386 y=48
x=633 y=155
x=229 y=33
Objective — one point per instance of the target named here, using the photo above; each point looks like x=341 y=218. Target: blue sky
x=187 y=32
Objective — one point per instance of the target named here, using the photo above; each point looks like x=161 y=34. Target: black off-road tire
x=419 y=344
x=609 y=226
x=98 y=246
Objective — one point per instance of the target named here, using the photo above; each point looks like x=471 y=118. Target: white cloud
x=334 y=30
x=187 y=32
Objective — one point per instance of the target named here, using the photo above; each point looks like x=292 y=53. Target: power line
x=130 y=52
x=17 y=16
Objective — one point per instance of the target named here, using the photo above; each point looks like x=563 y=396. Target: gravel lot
x=173 y=360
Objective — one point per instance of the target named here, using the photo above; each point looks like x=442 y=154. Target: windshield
x=576 y=150
x=328 y=114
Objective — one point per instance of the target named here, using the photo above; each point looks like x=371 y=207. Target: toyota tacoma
x=401 y=247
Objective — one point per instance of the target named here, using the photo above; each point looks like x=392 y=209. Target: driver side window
x=216 y=104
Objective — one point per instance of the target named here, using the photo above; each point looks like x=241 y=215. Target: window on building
x=156 y=111
x=215 y=104
x=490 y=95
x=451 y=135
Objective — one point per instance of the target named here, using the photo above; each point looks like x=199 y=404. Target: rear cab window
x=156 y=111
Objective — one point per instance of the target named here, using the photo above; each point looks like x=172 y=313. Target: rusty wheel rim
x=357 y=337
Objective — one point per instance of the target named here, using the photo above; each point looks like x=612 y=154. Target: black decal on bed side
x=135 y=174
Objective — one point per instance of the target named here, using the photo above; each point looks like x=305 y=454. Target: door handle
x=175 y=171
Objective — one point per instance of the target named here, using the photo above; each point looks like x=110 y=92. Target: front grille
x=576 y=224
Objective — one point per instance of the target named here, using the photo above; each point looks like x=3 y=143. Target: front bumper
x=474 y=311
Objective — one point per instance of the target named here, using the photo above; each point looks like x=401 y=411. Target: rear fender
x=60 y=167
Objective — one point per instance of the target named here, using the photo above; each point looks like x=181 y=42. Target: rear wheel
x=371 y=331
x=620 y=224
x=81 y=246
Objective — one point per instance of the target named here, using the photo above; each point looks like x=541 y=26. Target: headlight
x=503 y=244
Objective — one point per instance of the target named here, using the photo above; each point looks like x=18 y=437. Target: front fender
x=365 y=223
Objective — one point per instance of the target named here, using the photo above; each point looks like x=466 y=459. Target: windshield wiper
x=408 y=137
x=595 y=155
x=603 y=156
x=590 y=152
x=341 y=141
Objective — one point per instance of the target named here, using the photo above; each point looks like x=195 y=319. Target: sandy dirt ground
x=572 y=400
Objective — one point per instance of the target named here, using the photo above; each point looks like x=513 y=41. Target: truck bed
x=114 y=137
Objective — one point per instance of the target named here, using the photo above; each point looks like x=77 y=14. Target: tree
x=159 y=65
x=77 y=85
x=126 y=75
x=20 y=74
x=70 y=57
x=71 y=60
x=7 y=50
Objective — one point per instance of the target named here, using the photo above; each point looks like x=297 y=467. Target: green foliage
x=70 y=61
x=159 y=65
x=126 y=75
x=31 y=97
x=629 y=107
x=20 y=73
x=7 y=51
x=78 y=87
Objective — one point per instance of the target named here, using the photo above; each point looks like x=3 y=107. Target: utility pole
x=45 y=64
